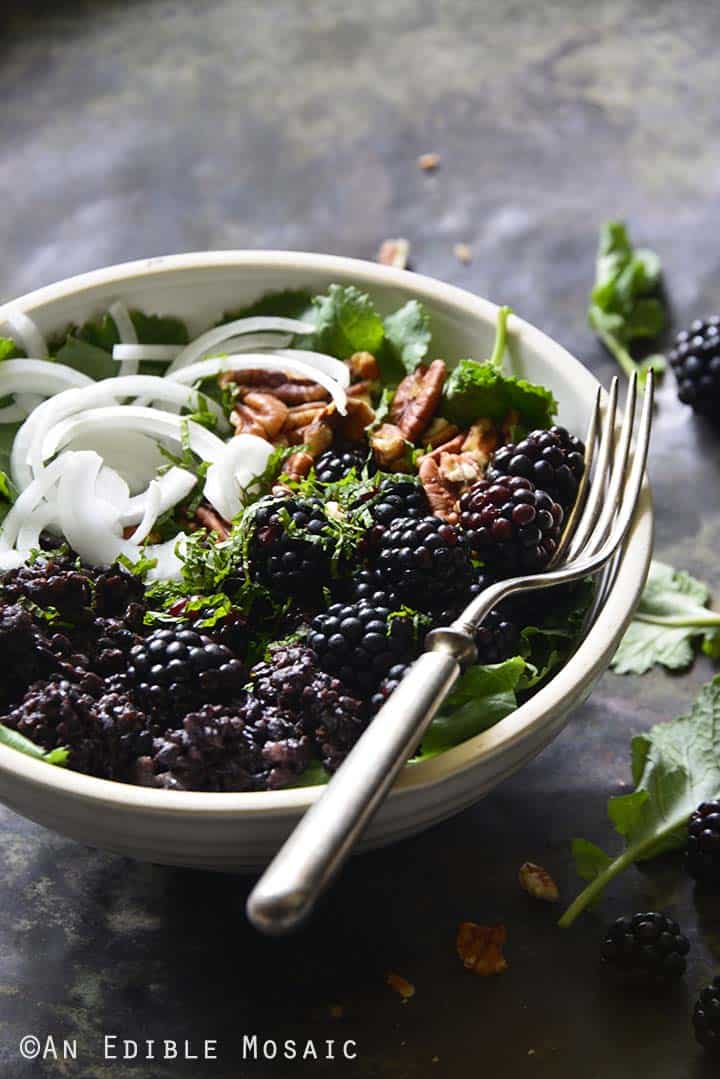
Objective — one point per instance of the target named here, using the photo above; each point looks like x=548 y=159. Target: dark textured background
x=137 y=128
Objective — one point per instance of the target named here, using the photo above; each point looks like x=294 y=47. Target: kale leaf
x=671 y=616
x=675 y=767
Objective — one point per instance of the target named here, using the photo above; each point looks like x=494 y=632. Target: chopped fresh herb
x=9 y=350
x=625 y=303
x=671 y=617
x=675 y=767
x=480 y=390
x=139 y=568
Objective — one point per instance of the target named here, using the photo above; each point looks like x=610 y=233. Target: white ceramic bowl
x=242 y=831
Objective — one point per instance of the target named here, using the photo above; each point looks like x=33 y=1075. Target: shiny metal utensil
x=309 y=859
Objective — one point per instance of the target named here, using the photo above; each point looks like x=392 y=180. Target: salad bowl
x=241 y=831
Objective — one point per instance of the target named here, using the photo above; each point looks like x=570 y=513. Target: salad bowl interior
x=241 y=831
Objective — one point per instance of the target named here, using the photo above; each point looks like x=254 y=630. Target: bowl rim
x=563 y=690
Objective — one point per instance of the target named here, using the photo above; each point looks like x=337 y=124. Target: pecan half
x=360 y=414
x=211 y=520
x=416 y=399
x=480 y=948
x=389 y=448
x=298 y=465
x=299 y=392
x=253 y=376
x=453 y=446
x=400 y=985
x=394 y=253
x=246 y=422
x=269 y=411
x=317 y=436
x=440 y=492
x=364 y=366
x=301 y=415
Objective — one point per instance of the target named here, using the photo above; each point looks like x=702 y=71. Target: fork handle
x=312 y=855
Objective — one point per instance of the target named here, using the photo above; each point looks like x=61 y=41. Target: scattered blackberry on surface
x=54 y=583
x=359 y=643
x=244 y=746
x=399 y=498
x=553 y=460
x=104 y=733
x=511 y=526
x=706 y=1017
x=26 y=653
x=695 y=359
x=425 y=560
x=292 y=680
x=647 y=944
x=388 y=685
x=286 y=550
x=334 y=465
x=175 y=670
x=702 y=853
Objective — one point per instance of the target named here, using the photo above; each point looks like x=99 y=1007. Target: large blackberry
x=706 y=1017
x=511 y=526
x=553 y=460
x=368 y=585
x=388 y=685
x=103 y=732
x=55 y=582
x=425 y=560
x=359 y=643
x=292 y=680
x=498 y=638
x=287 y=551
x=116 y=591
x=695 y=360
x=27 y=655
x=239 y=747
x=647 y=944
x=399 y=498
x=175 y=670
x=702 y=854
x=334 y=465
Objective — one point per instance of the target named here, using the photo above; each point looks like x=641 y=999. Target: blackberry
x=359 y=643
x=510 y=525
x=702 y=853
x=26 y=652
x=695 y=359
x=553 y=460
x=399 y=498
x=175 y=670
x=388 y=685
x=368 y=586
x=245 y=746
x=116 y=591
x=292 y=680
x=426 y=560
x=647 y=944
x=334 y=465
x=286 y=550
x=498 y=638
x=103 y=732
x=53 y=583
x=706 y=1017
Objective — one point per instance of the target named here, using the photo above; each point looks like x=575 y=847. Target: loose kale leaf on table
x=675 y=767
x=671 y=617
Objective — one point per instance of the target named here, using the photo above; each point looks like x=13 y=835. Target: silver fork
x=313 y=854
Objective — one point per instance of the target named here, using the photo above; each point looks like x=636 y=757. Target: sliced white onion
x=196 y=372
x=90 y=524
x=125 y=328
x=111 y=486
x=248 y=342
x=39 y=376
x=27 y=334
x=174 y=485
x=218 y=334
x=148 y=421
x=28 y=501
x=167 y=555
x=327 y=364
x=44 y=517
x=146 y=353
x=151 y=514
x=244 y=458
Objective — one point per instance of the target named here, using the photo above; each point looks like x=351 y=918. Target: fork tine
x=576 y=512
x=604 y=461
x=618 y=474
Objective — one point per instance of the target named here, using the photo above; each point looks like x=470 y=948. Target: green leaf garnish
x=290 y=303
x=18 y=741
x=407 y=339
x=483 y=696
x=346 y=322
x=675 y=767
x=625 y=304
x=671 y=617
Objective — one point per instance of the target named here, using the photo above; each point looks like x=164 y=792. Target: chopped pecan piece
x=439 y=432
x=389 y=448
x=401 y=985
x=394 y=253
x=416 y=399
x=360 y=415
x=363 y=366
x=538 y=883
x=269 y=411
x=246 y=422
x=211 y=520
x=453 y=446
x=483 y=437
x=317 y=436
x=440 y=492
x=480 y=948
x=428 y=162
x=298 y=465
x=301 y=415
x=461 y=469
